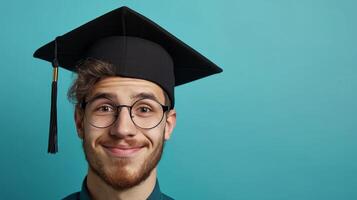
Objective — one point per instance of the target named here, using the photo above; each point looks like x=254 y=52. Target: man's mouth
x=122 y=150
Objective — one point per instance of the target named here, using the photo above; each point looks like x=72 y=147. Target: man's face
x=124 y=155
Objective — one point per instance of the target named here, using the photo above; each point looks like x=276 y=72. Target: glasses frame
x=119 y=107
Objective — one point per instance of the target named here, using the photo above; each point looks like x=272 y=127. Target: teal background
x=279 y=123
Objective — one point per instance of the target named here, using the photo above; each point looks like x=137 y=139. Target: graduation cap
x=135 y=45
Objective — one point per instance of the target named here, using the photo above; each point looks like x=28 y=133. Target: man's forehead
x=119 y=88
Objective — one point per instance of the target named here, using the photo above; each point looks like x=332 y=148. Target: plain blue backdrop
x=279 y=123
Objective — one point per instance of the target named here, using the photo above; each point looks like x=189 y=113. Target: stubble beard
x=117 y=175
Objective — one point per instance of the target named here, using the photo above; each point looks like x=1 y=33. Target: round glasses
x=145 y=113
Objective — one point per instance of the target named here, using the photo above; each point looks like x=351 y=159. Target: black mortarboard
x=135 y=45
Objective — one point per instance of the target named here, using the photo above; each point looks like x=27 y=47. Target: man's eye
x=144 y=109
x=105 y=108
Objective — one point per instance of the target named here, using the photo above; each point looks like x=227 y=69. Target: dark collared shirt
x=84 y=193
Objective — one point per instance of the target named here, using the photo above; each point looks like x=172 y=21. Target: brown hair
x=90 y=71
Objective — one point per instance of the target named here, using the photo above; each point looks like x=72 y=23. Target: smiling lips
x=122 y=151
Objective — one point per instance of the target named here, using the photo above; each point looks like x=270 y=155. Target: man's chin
x=121 y=178
x=121 y=173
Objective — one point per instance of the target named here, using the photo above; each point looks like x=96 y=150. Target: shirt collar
x=84 y=195
x=155 y=194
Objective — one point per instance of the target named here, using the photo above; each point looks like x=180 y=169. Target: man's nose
x=123 y=126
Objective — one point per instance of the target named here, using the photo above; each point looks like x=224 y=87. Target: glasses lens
x=147 y=113
x=101 y=112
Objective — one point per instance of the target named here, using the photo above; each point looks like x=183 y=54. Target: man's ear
x=78 y=119
x=170 y=123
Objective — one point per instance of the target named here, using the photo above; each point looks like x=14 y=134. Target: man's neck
x=100 y=190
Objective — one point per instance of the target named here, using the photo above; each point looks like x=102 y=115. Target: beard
x=115 y=172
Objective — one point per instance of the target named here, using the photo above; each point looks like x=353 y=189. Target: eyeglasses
x=144 y=113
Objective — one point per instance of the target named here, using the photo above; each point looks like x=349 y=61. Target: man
x=127 y=69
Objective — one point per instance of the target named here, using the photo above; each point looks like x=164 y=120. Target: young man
x=127 y=69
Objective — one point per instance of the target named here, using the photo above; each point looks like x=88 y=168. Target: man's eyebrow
x=101 y=95
x=144 y=95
